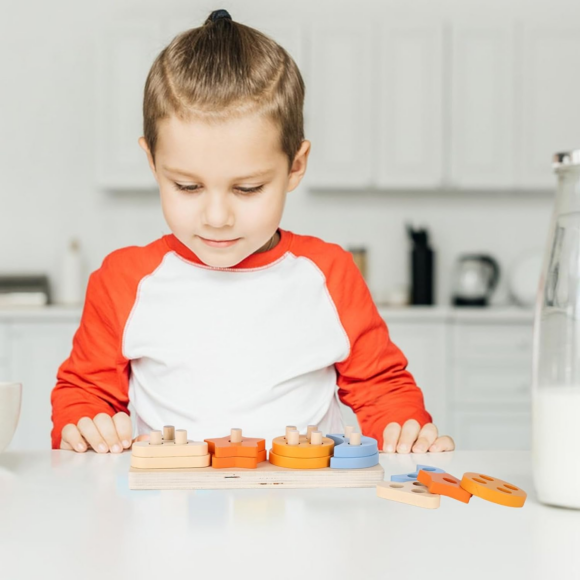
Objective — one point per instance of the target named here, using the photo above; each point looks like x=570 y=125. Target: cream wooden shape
x=316 y=438
x=411 y=492
x=236 y=436
x=155 y=438
x=196 y=461
x=181 y=437
x=355 y=438
x=265 y=475
x=293 y=437
x=169 y=449
x=168 y=433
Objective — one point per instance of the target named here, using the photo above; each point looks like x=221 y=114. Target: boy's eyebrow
x=186 y=174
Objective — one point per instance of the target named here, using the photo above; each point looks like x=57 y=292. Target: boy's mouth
x=219 y=243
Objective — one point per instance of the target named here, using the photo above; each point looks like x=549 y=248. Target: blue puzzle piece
x=354 y=462
x=405 y=477
x=429 y=468
x=368 y=446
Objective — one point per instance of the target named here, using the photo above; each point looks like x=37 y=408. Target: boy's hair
x=223 y=70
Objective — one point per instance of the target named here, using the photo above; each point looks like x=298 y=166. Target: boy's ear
x=144 y=146
x=299 y=166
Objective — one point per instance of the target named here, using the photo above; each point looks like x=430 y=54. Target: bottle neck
x=568 y=192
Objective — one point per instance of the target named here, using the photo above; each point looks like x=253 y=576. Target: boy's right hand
x=103 y=433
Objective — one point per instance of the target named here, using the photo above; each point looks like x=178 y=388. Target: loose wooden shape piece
x=409 y=492
x=493 y=489
x=444 y=484
x=413 y=476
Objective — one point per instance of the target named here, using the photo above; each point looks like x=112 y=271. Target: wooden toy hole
x=449 y=480
x=411 y=476
x=485 y=477
x=510 y=486
x=428 y=469
x=479 y=480
x=231 y=477
x=395 y=485
x=418 y=490
x=504 y=490
x=418 y=484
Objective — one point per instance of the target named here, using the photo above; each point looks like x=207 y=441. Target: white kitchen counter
x=70 y=516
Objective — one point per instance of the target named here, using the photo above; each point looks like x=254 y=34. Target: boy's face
x=215 y=163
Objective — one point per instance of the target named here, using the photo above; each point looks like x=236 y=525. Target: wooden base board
x=265 y=475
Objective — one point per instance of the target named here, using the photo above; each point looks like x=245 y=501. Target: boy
x=230 y=320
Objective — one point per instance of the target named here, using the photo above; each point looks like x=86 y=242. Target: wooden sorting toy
x=170 y=450
x=444 y=484
x=353 y=451
x=410 y=492
x=493 y=489
x=236 y=451
x=295 y=451
x=413 y=476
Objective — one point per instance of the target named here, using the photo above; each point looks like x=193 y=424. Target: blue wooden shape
x=354 y=462
x=429 y=468
x=405 y=477
x=368 y=446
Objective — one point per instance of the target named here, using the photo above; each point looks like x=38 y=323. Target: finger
x=444 y=443
x=107 y=430
x=390 y=437
x=425 y=439
x=141 y=438
x=124 y=429
x=92 y=435
x=408 y=435
x=71 y=438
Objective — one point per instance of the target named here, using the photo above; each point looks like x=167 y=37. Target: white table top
x=72 y=516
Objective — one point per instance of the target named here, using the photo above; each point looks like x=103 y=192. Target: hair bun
x=219 y=14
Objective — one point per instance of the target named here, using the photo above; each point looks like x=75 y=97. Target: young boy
x=231 y=321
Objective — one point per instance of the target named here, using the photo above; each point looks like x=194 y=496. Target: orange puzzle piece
x=493 y=489
x=444 y=484
x=236 y=451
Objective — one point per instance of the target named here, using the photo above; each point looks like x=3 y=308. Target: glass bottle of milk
x=556 y=353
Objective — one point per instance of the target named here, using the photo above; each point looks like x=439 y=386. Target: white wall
x=47 y=147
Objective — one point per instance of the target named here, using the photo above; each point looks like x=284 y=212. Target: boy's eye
x=196 y=187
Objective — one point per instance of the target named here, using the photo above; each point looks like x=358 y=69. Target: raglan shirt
x=269 y=342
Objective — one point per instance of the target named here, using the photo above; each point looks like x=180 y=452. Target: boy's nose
x=217 y=212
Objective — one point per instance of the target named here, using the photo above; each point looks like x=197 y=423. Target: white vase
x=10 y=400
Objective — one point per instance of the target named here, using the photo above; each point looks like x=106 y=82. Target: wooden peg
x=168 y=433
x=309 y=430
x=316 y=438
x=355 y=438
x=155 y=438
x=236 y=436
x=293 y=437
x=348 y=431
x=181 y=437
x=289 y=428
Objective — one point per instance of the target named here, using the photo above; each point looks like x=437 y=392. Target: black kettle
x=475 y=278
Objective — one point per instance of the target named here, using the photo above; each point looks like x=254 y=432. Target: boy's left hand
x=412 y=437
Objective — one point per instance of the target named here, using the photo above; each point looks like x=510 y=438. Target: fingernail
x=102 y=448
x=126 y=443
x=116 y=448
x=80 y=447
x=389 y=448
x=402 y=448
x=419 y=449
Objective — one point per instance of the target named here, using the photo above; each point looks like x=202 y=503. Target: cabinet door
x=339 y=106
x=409 y=127
x=36 y=350
x=124 y=55
x=482 y=105
x=550 y=115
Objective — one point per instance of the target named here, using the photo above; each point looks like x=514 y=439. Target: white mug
x=10 y=399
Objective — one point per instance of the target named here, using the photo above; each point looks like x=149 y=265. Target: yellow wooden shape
x=298 y=462
x=304 y=449
x=493 y=489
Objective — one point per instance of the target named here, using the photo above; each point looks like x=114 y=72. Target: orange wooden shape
x=493 y=489
x=243 y=462
x=444 y=484
x=298 y=462
x=248 y=447
x=304 y=450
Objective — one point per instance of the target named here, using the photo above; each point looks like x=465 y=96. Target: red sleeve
x=94 y=379
x=373 y=379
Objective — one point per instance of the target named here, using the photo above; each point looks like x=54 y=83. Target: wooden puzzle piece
x=240 y=462
x=410 y=492
x=429 y=468
x=444 y=484
x=354 y=462
x=311 y=446
x=405 y=477
x=347 y=447
x=235 y=445
x=182 y=462
x=493 y=489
